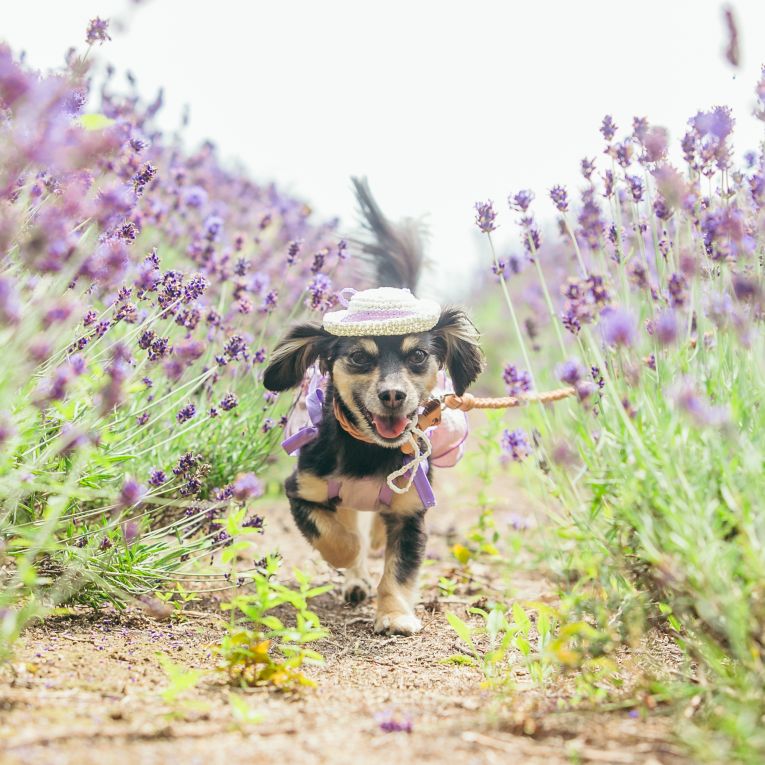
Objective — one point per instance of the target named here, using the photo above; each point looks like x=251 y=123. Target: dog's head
x=381 y=381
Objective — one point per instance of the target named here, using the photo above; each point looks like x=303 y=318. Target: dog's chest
x=361 y=494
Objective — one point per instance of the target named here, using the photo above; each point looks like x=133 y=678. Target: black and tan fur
x=372 y=375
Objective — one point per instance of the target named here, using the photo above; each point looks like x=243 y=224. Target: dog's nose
x=392 y=398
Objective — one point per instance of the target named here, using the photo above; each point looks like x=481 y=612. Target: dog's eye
x=359 y=358
x=417 y=356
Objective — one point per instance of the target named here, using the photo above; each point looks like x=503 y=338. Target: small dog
x=376 y=383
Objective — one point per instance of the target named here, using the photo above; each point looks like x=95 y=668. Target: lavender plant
x=650 y=305
x=139 y=285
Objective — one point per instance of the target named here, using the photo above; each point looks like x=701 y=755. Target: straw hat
x=381 y=311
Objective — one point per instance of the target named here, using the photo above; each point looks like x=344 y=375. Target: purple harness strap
x=314 y=404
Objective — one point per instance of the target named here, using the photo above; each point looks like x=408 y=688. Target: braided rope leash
x=468 y=401
x=418 y=455
x=431 y=415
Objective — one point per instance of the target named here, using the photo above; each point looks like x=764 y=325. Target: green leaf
x=459 y=658
x=95 y=121
x=462 y=629
x=242 y=712
x=521 y=619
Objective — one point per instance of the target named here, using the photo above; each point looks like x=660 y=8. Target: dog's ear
x=302 y=345
x=456 y=340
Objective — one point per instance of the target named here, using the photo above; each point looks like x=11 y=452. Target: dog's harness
x=448 y=443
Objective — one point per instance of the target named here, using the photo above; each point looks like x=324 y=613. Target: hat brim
x=422 y=319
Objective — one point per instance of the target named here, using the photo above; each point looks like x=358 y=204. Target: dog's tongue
x=390 y=427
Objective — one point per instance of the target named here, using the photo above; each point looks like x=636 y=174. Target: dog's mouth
x=388 y=427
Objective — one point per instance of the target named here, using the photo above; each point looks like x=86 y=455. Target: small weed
x=258 y=647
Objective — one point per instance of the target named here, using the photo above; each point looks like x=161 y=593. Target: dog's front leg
x=338 y=545
x=397 y=591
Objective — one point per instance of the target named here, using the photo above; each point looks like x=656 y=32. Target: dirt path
x=84 y=688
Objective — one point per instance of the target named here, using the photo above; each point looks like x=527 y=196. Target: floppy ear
x=294 y=354
x=456 y=340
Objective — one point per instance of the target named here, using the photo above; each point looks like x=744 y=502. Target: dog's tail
x=396 y=251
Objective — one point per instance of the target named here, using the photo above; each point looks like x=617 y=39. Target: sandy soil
x=85 y=687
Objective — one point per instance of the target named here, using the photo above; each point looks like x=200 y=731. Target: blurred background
x=440 y=104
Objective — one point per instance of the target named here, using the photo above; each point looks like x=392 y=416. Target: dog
x=376 y=384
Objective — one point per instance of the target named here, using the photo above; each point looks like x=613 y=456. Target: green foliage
x=652 y=474
x=181 y=680
x=260 y=647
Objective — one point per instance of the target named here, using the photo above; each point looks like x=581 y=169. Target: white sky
x=440 y=103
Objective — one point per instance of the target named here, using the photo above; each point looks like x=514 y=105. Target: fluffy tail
x=395 y=251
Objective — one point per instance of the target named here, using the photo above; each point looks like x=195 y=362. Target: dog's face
x=381 y=380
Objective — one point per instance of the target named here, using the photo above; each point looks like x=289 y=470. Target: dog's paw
x=356 y=590
x=397 y=624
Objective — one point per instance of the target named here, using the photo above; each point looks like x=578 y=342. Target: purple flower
x=97 y=31
x=213 y=227
x=194 y=288
x=318 y=261
x=236 y=347
x=247 y=485
x=270 y=301
x=570 y=372
x=485 y=216
x=157 y=477
x=688 y=400
x=516 y=380
x=665 y=327
x=608 y=127
x=186 y=464
x=635 y=184
x=559 y=196
x=655 y=144
x=618 y=326
x=130 y=493
x=515 y=444
x=521 y=201
x=189 y=350
x=194 y=196
x=186 y=413
x=718 y=123
x=590 y=220
x=143 y=177
x=587 y=167
x=229 y=402
x=678 y=287
x=158 y=348
x=77 y=364
x=390 y=723
x=320 y=294
x=130 y=531
x=256 y=522
x=293 y=251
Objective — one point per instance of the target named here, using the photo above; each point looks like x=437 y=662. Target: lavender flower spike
x=97 y=31
x=618 y=326
x=485 y=216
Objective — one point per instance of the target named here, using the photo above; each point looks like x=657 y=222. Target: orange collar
x=347 y=425
x=430 y=416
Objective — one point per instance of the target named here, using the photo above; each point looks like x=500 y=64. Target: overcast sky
x=439 y=103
